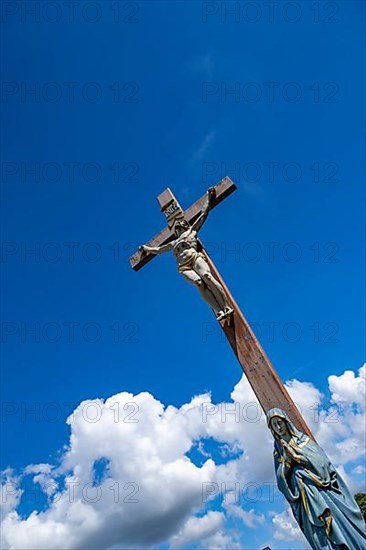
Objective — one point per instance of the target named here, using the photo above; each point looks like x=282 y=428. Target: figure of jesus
x=192 y=265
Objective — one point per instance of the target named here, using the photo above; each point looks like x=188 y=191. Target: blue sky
x=124 y=109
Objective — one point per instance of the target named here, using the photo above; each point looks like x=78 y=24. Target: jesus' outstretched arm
x=211 y=193
x=157 y=249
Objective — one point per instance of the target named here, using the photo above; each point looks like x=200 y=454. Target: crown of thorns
x=183 y=223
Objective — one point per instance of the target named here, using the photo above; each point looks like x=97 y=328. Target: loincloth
x=189 y=264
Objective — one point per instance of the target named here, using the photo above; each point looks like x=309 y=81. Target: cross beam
x=258 y=369
x=166 y=200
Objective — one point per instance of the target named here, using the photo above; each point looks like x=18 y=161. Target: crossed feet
x=224 y=313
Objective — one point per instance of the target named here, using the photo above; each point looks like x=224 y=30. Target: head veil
x=299 y=439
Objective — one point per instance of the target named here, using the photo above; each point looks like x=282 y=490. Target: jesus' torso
x=185 y=247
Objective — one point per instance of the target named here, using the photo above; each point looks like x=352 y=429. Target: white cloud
x=286 y=527
x=307 y=399
x=43 y=475
x=147 y=464
x=10 y=492
x=149 y=492
x=250 y=518
x=38 y=469
x=359 y=470
x=197 y=529
x=221 y=541
x=348 y=389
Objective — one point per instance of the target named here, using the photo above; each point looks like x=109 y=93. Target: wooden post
x=258 y=369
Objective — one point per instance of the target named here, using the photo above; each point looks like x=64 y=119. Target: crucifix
x=180 y=237
x=305 y=475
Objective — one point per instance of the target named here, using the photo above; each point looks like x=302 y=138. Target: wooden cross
x=261 y=375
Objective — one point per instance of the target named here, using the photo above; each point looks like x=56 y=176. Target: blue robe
x=322 y=505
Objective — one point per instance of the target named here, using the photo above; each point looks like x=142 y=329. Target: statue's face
x=180 y=228
x=279 y=426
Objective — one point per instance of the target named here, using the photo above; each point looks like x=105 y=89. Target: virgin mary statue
x=321 y=503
